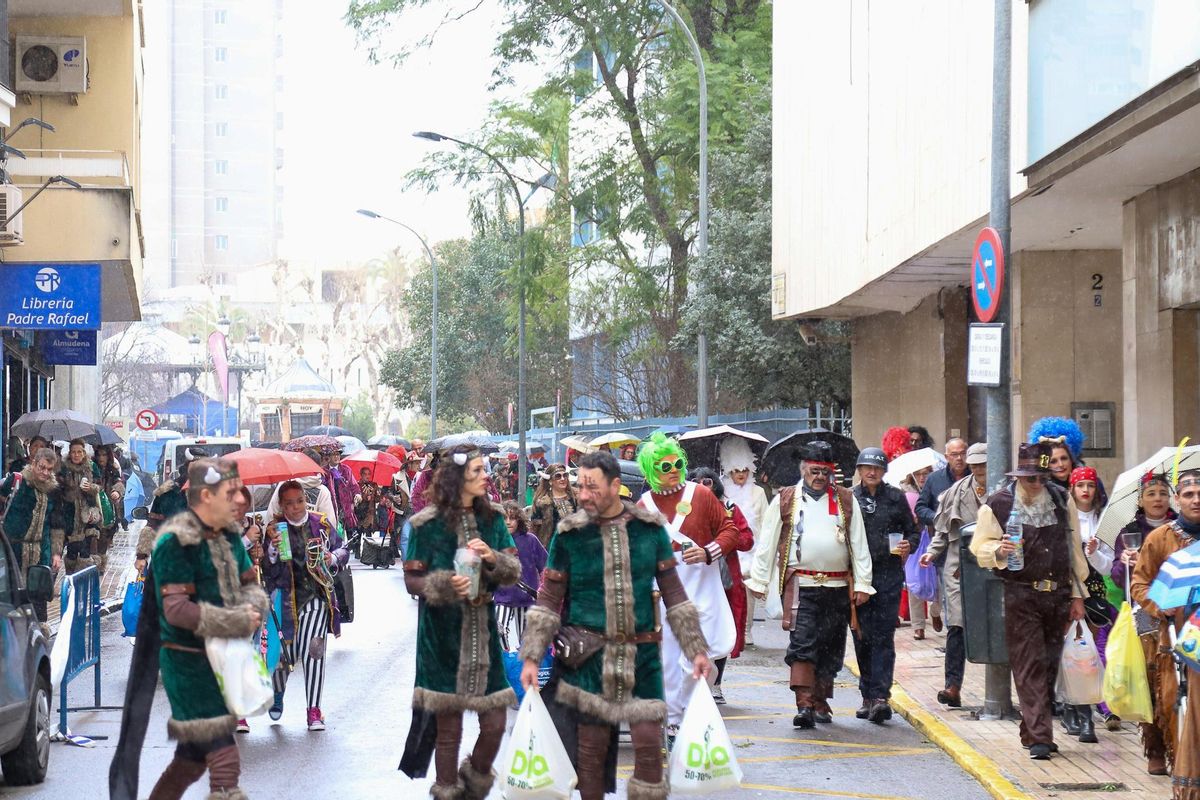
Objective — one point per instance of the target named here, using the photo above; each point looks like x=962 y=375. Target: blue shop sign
x=69 y=348
x=50 y=296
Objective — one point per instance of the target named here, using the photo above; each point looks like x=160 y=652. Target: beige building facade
x=882 y=163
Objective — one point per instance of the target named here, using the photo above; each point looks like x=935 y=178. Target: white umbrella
x=913 y=461
x=60 y=425
x=614 y=439
x=577 y=442
x=350 y=444
x=1123 y=497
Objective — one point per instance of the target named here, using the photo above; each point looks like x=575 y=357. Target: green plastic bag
x=107 y=517
x=1126 y=689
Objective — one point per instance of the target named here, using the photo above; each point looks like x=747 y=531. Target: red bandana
x=1084 y=474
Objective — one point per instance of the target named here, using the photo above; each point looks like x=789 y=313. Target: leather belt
x=821 y=577
x=182 y=648
x=646 y=637
x=1044 y=586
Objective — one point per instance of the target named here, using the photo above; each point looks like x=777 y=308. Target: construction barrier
x=81 y=593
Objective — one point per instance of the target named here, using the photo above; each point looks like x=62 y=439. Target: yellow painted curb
x=975 y=763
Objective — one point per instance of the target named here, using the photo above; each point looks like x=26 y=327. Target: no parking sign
x=987 y=274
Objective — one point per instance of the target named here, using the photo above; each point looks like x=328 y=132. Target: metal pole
x=997 y=701
x=702 y=233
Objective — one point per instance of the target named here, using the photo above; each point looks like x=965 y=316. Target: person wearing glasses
x=1043 y=587
x=553 y=502
x=814 y=534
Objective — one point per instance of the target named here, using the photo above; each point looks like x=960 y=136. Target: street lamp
x=224 y=325
x=433 y=348
x=702 y=233
x=522 y=411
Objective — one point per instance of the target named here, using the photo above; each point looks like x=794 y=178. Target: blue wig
x=1058 y=427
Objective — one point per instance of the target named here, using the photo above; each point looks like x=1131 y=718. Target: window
x=222 y=129
x=272 y=431
x=221 y=241
x=220 y=16
x=222 y=91
x=222 y=166
x=221 y=55
x=302 y=422
x=222 y=204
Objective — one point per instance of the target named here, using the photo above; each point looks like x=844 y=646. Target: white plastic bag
x=535 y=764
x=702 y=760
x=241 y=674
x=60 y=652
x=1080 y=672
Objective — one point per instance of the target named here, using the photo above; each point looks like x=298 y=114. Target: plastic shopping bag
x=702 y=760
x=131 y=607
x=1126 y=690
x=535 y=765
x=1080 y=671
x=241 y=674
x=1187 y=642
x=922 y=582
x=512 y=670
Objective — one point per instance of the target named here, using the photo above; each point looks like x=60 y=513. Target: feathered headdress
x=736 y=454
x=895 y=442
x=1058 y=429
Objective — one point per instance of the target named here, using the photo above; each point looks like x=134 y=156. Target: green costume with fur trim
x=212 y=567
x=459 y=665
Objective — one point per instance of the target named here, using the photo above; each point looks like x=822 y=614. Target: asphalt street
x=366 y=704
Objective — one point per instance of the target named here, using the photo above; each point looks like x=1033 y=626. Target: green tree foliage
x=637 y=178
x=753 y=359
x=359 y=417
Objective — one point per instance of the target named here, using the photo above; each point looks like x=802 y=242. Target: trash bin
x=983 y=607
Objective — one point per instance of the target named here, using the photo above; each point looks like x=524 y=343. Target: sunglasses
x=671 y=466
x=819 y=471
x=559 y=476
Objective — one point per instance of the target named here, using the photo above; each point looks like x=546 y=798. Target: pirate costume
x=459 y=665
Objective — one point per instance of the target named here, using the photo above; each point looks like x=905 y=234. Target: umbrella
x=322 y=444
x=703 y=447
x=382 y=465
x=259 y=467
x=350 y=444
x=781 y=462
x=60 y=425
x=108 y=435
x=1178 y=579
x=385 y=440
x=1122 y=499
x=484 y=444
x=672 y=430
x=577 y=442
x=326 y=430
x=906 y=464
x=613 y=440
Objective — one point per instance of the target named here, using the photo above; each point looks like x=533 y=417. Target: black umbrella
x=703 y=447
x=781 y=462
x=325 y=430
x=385 y=440
x=441 y=443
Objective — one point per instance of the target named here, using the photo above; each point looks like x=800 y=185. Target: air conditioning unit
x=51 y=64
x=12 y=233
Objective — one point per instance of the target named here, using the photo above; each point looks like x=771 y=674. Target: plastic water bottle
x=1015 y=532
x=285 y=543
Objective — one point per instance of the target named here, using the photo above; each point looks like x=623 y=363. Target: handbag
x=343 y=589
x=573 y=645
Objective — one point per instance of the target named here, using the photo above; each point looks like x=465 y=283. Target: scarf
x=1192 y=529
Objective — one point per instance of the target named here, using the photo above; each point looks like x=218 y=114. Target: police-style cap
x=871 y=457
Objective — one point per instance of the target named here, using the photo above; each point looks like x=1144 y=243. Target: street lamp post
x=702 y=233
x=433 y=347
x=522 y=410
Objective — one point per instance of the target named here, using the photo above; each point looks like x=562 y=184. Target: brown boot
x=822 y=692
x=803 y=680
x=1155 y=749
x=176 y=778
x=593 y=750
x=950 y=696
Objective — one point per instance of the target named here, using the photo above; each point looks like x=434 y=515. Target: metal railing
x=81 y=592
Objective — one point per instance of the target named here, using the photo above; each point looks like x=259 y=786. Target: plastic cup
x=1132 y=540
x=894 y=540
x=468 y=564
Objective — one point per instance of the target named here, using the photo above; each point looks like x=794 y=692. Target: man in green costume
x=603 y=564
x=208 y=588
x=32 y=522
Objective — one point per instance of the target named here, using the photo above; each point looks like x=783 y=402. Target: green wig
x=654 y=450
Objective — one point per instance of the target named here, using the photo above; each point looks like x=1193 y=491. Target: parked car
x=25 y=694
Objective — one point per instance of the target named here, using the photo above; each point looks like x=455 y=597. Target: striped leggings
x=510 y=620
x=308 y=648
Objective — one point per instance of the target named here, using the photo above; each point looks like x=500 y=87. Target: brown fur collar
x=188 y=528
x=33 y=480
x=84 y=470
x=581 y=519
x=163 y=489
x=424 y=515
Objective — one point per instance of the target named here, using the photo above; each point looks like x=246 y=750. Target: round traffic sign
x=987 y=274
x=147 y=420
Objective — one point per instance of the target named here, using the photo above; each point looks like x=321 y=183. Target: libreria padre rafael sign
x=50 y=296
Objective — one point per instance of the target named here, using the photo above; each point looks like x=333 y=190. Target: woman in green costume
x=459 y=666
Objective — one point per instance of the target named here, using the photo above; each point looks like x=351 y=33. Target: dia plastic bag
x=702 y=759
x=922 y=582
x=1080 y=671
x=535 y=765
x=513 y=665
x=131 y=608
x=1126 y=689
x=241 y=674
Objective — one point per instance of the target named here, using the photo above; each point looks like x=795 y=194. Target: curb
x=973 y=762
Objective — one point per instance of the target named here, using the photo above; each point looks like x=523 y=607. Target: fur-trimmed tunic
x=609 y=569
x=459 y=666
x=32 y=522
x=214 y=571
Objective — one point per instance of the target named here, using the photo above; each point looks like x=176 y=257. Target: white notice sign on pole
x=984 y=346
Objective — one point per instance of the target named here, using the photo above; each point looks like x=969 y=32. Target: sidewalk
x=985 y=748
x=112 y=582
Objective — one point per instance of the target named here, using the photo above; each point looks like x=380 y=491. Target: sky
x=347 y=139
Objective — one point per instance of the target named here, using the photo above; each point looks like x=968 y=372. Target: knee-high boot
x=803 y=680
x=176 y=778
x=592 y=752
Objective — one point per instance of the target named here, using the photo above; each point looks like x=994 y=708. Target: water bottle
x=285 y=543
x=1016 y=534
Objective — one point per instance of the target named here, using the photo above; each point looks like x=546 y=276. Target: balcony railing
x=92 y=168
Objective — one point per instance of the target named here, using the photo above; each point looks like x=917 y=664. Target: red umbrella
x=382 y=465
x=260 y=467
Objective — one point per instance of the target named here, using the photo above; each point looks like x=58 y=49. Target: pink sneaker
x=316 y=721
x=243 y=726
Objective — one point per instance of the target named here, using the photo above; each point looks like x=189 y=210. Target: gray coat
x=957 y=506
